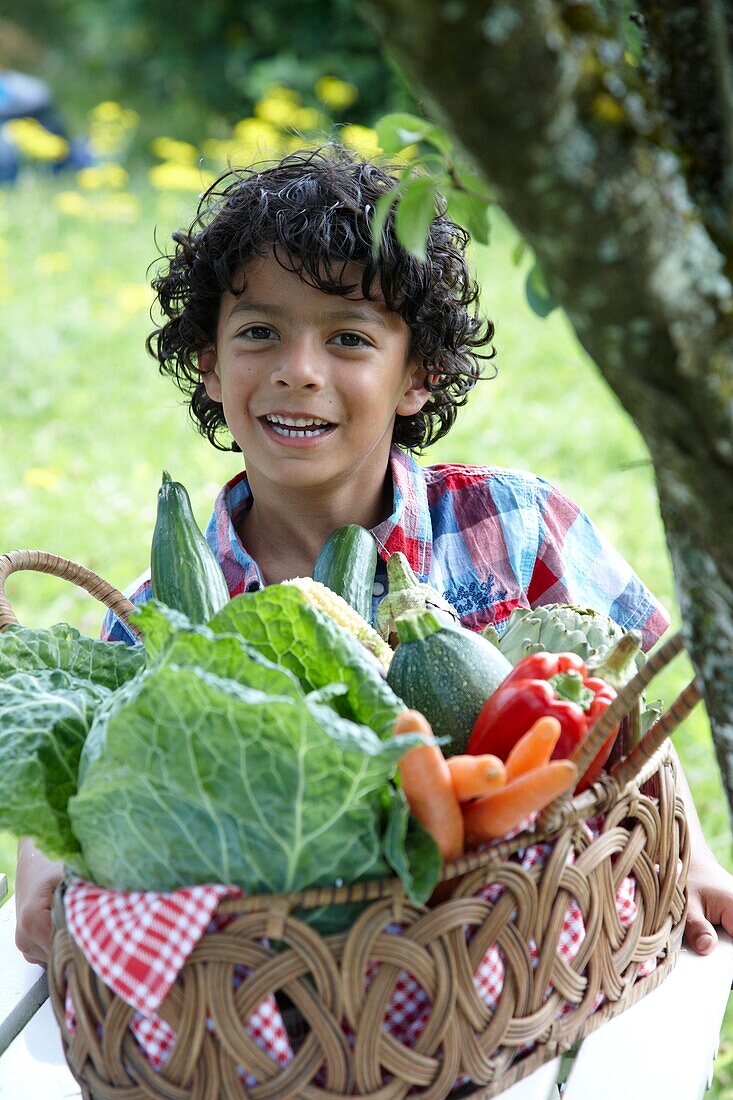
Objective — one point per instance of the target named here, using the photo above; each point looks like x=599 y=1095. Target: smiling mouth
x=297 y=427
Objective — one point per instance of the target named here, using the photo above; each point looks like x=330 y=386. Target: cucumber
x=346 y=564
x=184 y=572
x=445 y=672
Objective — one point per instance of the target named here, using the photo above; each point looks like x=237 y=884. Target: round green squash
x=445 y=672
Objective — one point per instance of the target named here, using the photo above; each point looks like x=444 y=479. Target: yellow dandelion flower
x=361 y=139
x=308 y=118
x=99 y=177
x=235 y=152
x=181 y=152
x=120 y=207
x=287 y=95
x=110 y=128
x=294 y=143
x=42 y=477
x=336 y=94
x=129 y=119
x=107 y=139
x=53 y=263
x=134 y=297
x=255 y=131
x=219 y=150
x=35 y=141
x=107 y=111
x=170 y=176
x=71 y=203
x=408 y=154
x=279 y=112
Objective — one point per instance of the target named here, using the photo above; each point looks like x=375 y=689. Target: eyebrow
x=357 y=313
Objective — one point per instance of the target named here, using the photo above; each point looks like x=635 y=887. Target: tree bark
x=594 y=162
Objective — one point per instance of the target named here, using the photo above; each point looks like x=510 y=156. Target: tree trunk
x=588 y=155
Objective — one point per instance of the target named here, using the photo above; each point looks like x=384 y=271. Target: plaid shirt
x=489 y=539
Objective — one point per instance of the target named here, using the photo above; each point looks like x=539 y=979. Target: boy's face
x=338 y=366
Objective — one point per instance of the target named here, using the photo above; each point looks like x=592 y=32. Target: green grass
x=87 y=426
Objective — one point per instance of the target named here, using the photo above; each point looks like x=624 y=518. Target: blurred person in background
x=25 y=96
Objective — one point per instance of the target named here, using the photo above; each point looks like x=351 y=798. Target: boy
x=326 y=365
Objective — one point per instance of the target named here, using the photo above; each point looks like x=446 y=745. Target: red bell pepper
x=555 y=684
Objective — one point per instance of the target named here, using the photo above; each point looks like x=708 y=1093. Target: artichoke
x=558 y=628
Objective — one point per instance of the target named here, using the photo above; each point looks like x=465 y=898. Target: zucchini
x=445 y=672
x=184 y=572
x=346 y=564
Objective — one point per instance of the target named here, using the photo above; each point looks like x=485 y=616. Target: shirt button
x=378 y=588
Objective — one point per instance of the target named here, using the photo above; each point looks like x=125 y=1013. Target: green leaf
x=410 y=850
x=475 y=185
x=205 y=780
x=44 y=719
x=439 y=140
x=414 y=215
x=62 y=647
x=280 y=624
x=382 y=208
x=538 y=293
x=519 y=251
x=470 y=212
x=396 y=131
x=178 y=641
x=651 y=712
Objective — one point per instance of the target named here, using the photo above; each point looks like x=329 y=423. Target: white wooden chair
x=662 y=1048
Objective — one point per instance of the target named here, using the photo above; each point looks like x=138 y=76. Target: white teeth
x=297 y=427
x=311 y=427
x=292 y=422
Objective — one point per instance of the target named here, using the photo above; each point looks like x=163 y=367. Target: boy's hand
x=710 y=890
x=35 y=882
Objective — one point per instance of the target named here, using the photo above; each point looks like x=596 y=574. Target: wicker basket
x=320 y=979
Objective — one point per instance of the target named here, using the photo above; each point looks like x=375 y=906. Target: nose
x=299 y=365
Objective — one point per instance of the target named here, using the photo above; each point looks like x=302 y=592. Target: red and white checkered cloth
x=137 y=942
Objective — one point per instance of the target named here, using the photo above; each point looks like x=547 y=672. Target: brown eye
x=260 y=332
x=351 y=340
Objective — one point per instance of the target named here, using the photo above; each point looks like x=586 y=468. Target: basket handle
x=42 y=562
x=626 y=771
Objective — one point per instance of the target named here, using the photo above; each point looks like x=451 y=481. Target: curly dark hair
x=315 y=209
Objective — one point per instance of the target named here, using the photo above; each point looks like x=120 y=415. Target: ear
x=208 y=367
x=416 y=393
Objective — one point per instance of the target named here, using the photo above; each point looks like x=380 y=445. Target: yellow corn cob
x=321 y=597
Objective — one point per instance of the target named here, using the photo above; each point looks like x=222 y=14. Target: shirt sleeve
x=576 y=564
x=113 y=629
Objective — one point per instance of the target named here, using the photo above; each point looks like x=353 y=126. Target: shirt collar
x=240 y=569
x=407 y=530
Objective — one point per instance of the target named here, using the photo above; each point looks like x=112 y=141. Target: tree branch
x=719 y=45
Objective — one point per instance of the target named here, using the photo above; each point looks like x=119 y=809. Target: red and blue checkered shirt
x=489 y=539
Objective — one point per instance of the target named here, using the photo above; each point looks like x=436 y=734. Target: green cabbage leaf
x=44 y=719
x=254 y=750
x=62 y=647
